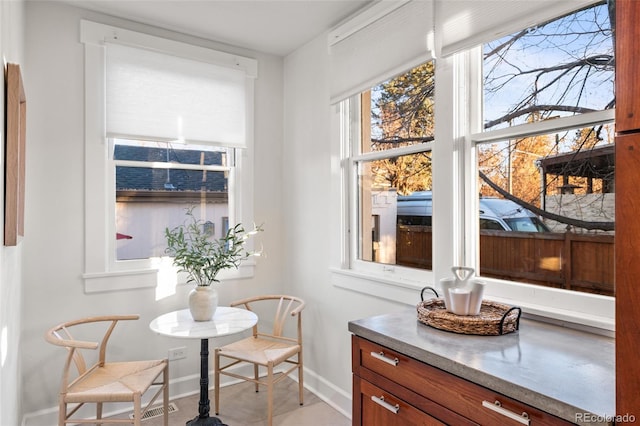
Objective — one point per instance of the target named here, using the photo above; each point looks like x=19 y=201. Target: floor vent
x=157 y=411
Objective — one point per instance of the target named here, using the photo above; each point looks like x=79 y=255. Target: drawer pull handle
x=497 y=407
x=380 y=401
x=381 y=356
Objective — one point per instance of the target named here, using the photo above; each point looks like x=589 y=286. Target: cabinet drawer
x=472 y=401
x=381 y=408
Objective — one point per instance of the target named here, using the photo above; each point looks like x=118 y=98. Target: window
x=168 y=126
x=561 y=174
x=156 y=182
x=521 y=157
x=391 y=161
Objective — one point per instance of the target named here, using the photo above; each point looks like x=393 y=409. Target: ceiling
x=271 y=26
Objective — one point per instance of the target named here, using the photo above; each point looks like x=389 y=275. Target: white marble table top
x=225 y=321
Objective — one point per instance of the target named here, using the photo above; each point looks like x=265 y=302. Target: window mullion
x=176 y=166
x=394 y=152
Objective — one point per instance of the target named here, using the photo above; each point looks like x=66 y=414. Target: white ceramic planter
x=203 y=301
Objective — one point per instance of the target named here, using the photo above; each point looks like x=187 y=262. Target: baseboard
x=327 y=392
x=181 y=387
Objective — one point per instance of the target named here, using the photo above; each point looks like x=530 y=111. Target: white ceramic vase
x=203 y=301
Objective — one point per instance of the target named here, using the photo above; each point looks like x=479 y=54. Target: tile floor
x=240 y=405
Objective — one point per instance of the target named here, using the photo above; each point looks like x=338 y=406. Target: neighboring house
x=593 y=202
x=150 y=199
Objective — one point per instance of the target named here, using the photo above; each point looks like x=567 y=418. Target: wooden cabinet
x=390 y=388
x=627 y=195
x=627 y=65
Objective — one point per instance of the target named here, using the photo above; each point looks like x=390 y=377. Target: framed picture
x=16 y=125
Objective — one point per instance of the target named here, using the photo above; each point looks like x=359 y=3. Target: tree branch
x=535 y=108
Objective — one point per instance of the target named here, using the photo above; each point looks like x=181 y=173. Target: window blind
x=381 y=48
x=156 y=96
x=463 y=24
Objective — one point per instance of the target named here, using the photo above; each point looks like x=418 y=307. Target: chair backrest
x=284 y=306
x=60 y=335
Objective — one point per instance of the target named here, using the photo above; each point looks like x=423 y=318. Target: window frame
x=458 y=131
x=102 y=272
x=351 y=114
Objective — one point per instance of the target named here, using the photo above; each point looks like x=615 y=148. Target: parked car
x=495 y=213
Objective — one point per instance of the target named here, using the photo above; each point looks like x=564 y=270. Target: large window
x=547 y=151
x=508 y=168
x=168 y=127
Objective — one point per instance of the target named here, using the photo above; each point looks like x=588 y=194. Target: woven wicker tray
x=495 y=318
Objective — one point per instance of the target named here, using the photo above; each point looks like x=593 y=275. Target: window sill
x=408 y=292
x=110 y=281
x=388 y=288
x=121 y=280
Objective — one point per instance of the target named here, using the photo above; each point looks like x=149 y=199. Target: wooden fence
x=576 y=262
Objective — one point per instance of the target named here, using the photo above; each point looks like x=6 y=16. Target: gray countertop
x=565 y=372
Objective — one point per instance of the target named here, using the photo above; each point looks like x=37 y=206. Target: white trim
x=125 y=280
x=464 y=24
x=395 y=152
x=334 y=396
x=176 y=166
x=354 y=61
x=362 y=19
x=102 y=272
x=186 y=386
x=95 y=33
x=373 y=284
x=546 y=126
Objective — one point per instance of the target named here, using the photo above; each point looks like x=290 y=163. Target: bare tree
x=563 y=67
x=559 y=68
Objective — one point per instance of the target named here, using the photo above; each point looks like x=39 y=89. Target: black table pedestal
x=203 y=418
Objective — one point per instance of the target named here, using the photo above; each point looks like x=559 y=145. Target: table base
x=205 y=421
x=203 y=418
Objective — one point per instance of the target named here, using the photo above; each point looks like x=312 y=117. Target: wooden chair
x=105 y=382
x=266 y=349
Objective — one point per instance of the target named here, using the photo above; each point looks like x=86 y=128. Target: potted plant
x=202 y=257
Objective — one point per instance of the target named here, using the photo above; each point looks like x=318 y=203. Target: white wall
x=312 y=212
x=12 y=50
x=297 y=197
x=54 y=244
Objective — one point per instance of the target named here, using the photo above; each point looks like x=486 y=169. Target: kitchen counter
x=565 y=372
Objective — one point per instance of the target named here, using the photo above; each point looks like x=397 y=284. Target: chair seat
x=260 y=351
x=115 y=381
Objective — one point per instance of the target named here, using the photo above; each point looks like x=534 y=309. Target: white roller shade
x=152 y=95
x=463 y=24
x=377 y=48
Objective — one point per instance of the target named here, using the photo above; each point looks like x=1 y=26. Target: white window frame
x=393 y=282
x=458 y=129
x=102 y=271
x=590 y=310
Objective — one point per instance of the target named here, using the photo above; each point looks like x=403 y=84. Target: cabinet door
x=627 y=270
x=381 y=408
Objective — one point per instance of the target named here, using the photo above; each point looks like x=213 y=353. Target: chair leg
x=300 y=379
x=256 y=375
x=62 y=412
x=270 y=394
x=137 y=409
x=216 y=382
x=98 y=412
x=165 y=394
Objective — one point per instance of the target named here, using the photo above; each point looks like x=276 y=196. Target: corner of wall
x=12 y=27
